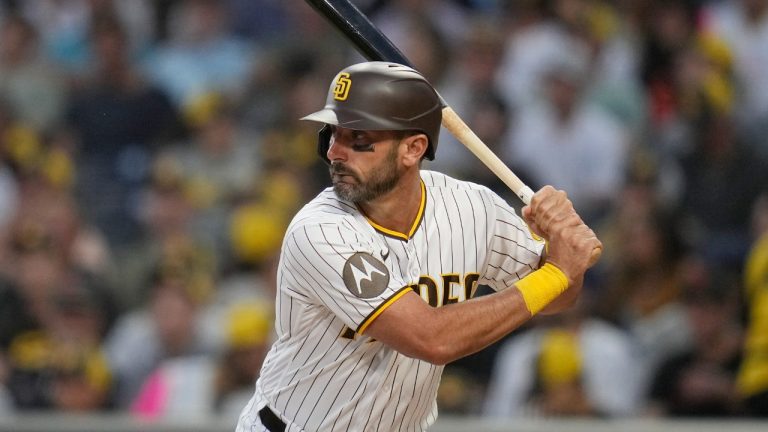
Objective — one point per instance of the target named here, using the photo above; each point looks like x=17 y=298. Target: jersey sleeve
x=513 y=252
x=343 y=270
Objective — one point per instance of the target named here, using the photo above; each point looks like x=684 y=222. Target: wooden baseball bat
x=375 y=46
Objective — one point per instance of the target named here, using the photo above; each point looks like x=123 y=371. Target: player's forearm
x=464 y=328
x=444 y=334
x=441 y=335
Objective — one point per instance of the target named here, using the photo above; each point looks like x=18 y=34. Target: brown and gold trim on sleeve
x=376 y=312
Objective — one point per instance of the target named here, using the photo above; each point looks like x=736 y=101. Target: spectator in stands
x=197 y=386
x=263 y=20
x=198 y=29
x=470 y=88
x=664 y=28
x=6 y=400
x=644 y=278
x=249 y=330
x=743 y=24
x=447 y=20
x=700 y=382
x=37 y=269
x=60 y=312
x=570 y=143
x=166 y=217
x=255 y=223
x=9 y=187
x=753 y=372
x=541 y=32
x=33 y=258
x=50 y=373
x=287 y=147
x=168 y=326
x=221 y=164
x=117 y=120
x=32 y=86
x=424 y=44
x=721 y=162
x=46 y=174
x=64 y=25
x=80 y=379
x=572 y=366
x=532 y=44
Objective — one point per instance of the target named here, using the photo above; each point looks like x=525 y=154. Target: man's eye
x=360 y=147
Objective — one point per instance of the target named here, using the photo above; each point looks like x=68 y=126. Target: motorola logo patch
x=365 y=276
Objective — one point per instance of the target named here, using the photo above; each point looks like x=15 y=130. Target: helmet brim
x=351 y=119
x=326 y=115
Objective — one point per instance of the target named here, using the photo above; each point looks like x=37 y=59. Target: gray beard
x=383 y=180
x=363 y=192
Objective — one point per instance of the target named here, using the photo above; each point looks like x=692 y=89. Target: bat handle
x=525 y=194
x=466 y=136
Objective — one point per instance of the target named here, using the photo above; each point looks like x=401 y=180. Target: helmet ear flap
x=324 y=142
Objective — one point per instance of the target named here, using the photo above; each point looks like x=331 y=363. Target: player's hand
x=571 y=242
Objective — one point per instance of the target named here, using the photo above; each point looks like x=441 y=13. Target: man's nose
x=336 y=152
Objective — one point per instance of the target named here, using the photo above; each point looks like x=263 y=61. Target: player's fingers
x=578 y=228
x=541 y=205
x=527 y=213
x=537 y=231
x=579 y=235
x=541 y=198
x=533 y=227
x=588 y=244
x=565 y=214
x=542 y=195
x=556 y=212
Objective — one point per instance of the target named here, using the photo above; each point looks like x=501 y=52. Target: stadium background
x=150 y=158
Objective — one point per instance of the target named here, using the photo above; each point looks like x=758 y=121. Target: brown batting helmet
x=380 y=96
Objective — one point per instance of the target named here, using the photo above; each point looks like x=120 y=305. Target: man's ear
x=414 y=148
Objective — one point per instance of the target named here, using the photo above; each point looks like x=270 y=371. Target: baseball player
x=377 y=273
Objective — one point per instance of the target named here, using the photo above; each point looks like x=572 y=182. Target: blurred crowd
x=151 y=157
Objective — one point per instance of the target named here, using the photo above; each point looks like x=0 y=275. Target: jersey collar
x=416 y=222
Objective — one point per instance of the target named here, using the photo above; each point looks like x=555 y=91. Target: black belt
x=270 y=420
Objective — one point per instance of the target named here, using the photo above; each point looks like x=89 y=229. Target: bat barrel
x=348 y=19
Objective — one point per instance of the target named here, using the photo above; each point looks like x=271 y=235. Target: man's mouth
x=339 y=174
x=342 y=178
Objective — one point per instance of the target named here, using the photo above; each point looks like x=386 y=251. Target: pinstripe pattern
x=320 y=374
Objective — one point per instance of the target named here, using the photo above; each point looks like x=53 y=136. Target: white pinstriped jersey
x=323 y=373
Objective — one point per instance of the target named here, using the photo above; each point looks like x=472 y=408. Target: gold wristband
x=542 y=286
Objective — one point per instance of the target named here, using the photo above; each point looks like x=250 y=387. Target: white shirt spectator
x=747 y=37
x=610 y=375
x=586 y=155
x=9 y=196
